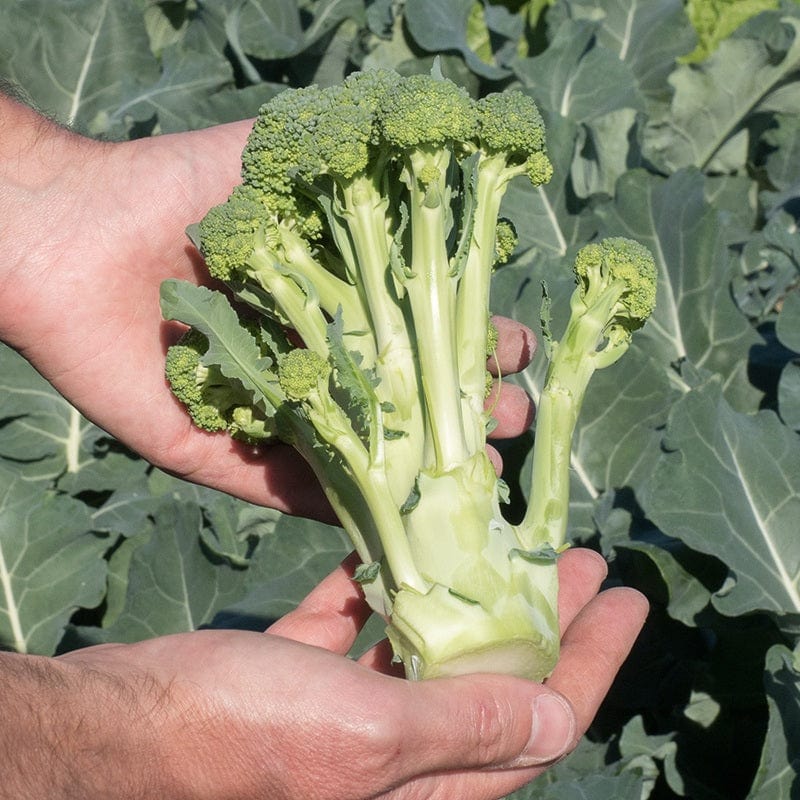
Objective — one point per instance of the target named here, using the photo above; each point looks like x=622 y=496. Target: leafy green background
x=686 y=469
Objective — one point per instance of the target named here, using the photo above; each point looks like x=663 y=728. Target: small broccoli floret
x=511 y=126
x=227 y=232
x=197 y=386
x=510 y=123
x=492 y=335
x=301 y=372
x=621 y=264
x=615 y=294
x=505 y=242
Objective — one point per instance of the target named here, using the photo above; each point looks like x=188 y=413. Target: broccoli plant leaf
x=787 y=329
x=776 y=778
x=783 y=161
x=172 y=97
x=41 y=432
x=713 y=101
x=230 y=346
x=547 y=219
x=107 y=47
x=50 y=564
x=289 y=560
x=577 y=78
x=444 y=25
x=648 y=36
x=727 y=485
x=172 y=566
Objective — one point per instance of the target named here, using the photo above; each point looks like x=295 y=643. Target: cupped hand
x=285 y=716
x=95 y=229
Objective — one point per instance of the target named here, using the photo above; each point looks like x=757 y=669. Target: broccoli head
x=362 y=241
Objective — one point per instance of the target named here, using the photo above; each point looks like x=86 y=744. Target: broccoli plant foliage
x=359 y=249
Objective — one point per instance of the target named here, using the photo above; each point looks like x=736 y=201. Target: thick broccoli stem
x=364 y=209
x=302 y=312
x=573 y=362
x=488 y=609
x=371 y=491
x=431 y=291
x=473 y=295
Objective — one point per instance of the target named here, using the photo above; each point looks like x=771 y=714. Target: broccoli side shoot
x=357 y=254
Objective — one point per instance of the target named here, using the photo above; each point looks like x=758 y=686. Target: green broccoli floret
x=505 y=241
x=228 y=232
x=301 y=372
x=214 y=402
x=615 y=293
x=364 y=236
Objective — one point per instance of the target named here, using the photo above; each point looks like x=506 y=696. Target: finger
x=581 y=572
x=516 y=346
x=478 y=722
x=331 y=616
x=496 y=459
x=594 y=647
x=512 y=408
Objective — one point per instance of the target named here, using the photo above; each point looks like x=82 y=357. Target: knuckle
x=491 y=727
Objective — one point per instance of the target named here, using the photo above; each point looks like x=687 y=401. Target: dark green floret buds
x=357 y=255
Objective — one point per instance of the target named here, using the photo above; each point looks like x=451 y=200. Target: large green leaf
x=777 y=777
x=50 y=564
x=713 y=101
x=172 y=585
x=788 y=332
x=577 y=78
x=41 y=432
x=548 y=219
x=648 y=35
x=172 y=99
x=78 y=60
x=728 y=485
x=289 y=561
x=586 y=773
x=783 y=160
x=444 y=26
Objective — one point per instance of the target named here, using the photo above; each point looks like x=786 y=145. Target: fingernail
x=552 y=732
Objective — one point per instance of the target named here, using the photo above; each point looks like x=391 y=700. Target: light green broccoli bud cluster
x=623 y=267
x=505 y=242
x=301 y=372
x=358 y=255
x=214 y=402
x=192 y=383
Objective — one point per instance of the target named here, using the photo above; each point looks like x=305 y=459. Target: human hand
x=232 y=714
x=79 y=295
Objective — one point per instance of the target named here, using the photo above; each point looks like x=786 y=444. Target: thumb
x=485 y=721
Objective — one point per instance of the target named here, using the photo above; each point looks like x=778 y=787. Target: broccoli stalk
x=367 y=227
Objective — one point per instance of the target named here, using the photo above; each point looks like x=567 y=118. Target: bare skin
x=284 y=716
x=88 y=233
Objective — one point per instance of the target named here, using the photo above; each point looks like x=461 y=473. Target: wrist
x=72 y=731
